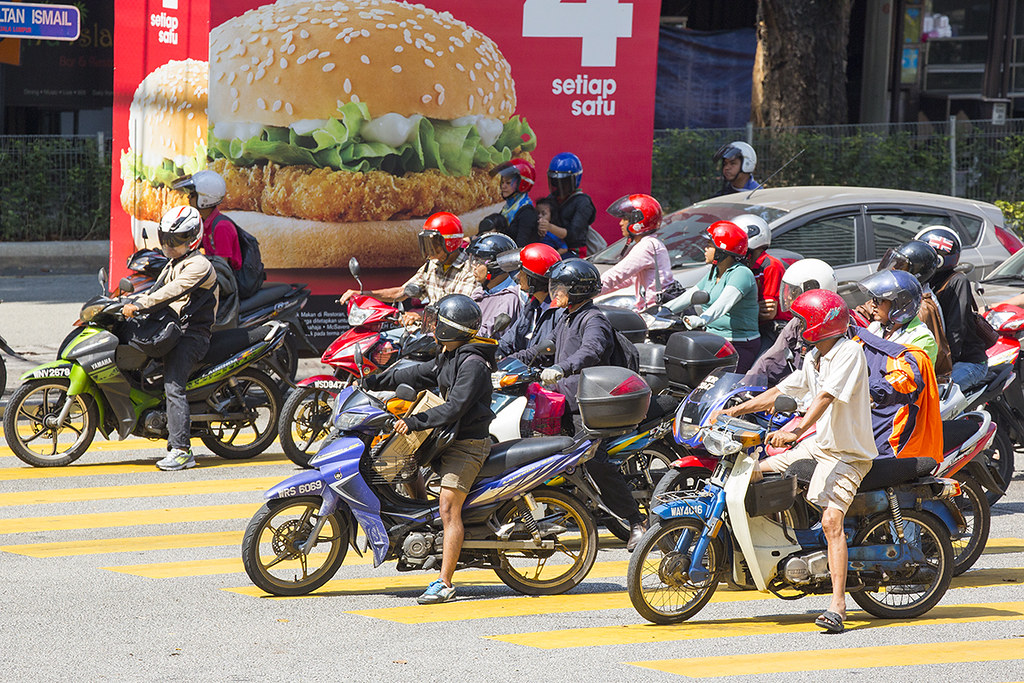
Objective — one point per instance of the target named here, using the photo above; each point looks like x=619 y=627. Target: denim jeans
x=967 y=375
x=178 y=365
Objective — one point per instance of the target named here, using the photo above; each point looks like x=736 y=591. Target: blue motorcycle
x=538 y=540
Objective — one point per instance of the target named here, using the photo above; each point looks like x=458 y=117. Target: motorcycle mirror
x=501 y=324
x=357 y=357
x=785 y=404
x=545 y=347
x=965 y=268
x=405 y=393
x=353 y=268
x=699 y=298
x=102 y=277
x=126 y=286
x=412 y=291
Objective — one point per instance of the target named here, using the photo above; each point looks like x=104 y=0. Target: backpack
x=251 y=275
x=624 y=353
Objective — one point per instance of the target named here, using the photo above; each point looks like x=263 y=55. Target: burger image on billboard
x=167 y=139
x=340 y=126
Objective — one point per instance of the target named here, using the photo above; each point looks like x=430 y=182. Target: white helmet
x=758 y=233
x=805 y=275
x=208 y=186
x=181 y=225
x=739 y=149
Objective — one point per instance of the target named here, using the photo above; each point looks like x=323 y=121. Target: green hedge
x=53 y=188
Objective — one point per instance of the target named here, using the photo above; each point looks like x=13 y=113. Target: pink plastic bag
x=548 y=409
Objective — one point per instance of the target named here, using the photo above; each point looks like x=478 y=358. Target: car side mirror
x=785 y=404
x=126 y=286
x=501 y=324
x=405 y=393
x=699 y=298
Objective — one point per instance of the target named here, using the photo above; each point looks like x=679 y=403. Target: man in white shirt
x=833 y=385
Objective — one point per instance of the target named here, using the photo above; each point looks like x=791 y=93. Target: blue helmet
x=899 y=287
x=565 y=172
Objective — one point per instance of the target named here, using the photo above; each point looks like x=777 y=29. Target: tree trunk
x=800 y=65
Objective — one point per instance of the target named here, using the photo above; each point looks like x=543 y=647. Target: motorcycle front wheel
x=682 y=480
x=252 y=402
x=30 y=423
x=908 y=594
x=271 y=547
x=562 y=519
x=658 y=578
x=304 y=424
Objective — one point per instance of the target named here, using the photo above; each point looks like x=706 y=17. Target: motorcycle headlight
x=346 y=421
x=90 y=311
x=688 y=431
x=721 y=443
x=357 y=316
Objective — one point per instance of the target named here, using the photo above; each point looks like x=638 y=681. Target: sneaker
x=437 y=592
x=177 y=459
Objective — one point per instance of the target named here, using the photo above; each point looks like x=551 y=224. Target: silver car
x=849 y=228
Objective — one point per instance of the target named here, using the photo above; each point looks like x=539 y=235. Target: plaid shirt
x=436 y=280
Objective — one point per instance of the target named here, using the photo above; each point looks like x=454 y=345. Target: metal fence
x=54 y=187
x=975 y=159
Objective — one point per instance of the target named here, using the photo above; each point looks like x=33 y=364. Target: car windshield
x=1010 y=269
x=683 y=231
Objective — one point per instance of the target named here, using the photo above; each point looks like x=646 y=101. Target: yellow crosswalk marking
x=176 y=488
x=103 y=546
x=148 y=465
x=101 y=446
x=999 y=546
x=468 y=577
x=961 y=652
x=230 y=565
x=101 y=520
x=774 y=624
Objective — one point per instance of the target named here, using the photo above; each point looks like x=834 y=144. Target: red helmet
x=536 y=258
x=729 y=238
x=441 y=235
x=642 y=211
x=521 y=172
x=824 y=313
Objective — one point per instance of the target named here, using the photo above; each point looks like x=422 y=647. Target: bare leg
x=451 y=517
x=832 y=524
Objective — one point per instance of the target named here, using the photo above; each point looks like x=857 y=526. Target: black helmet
x=917 y=258
x=486 y=248
x=946 y=243
x=494 y=222
x=580 y=279
x=458 y=318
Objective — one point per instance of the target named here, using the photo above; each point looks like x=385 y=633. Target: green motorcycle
x=101 y=383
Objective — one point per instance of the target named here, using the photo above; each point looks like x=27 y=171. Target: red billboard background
x=584 y=72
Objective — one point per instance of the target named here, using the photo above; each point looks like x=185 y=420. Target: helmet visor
x=894 y=260
x=432 y=245
x=623 y=209
x=728 y=151
x=789 y=294
x=185 y=183
x=509 y=261
x=559 y=294
x=176 y=239
x=561 y=184
x=429 y=322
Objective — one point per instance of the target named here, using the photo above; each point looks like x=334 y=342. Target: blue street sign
x=45 y=22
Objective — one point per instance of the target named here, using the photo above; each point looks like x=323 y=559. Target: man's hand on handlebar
x=129 y=310
x=781 y=439
x=411 y=319
x=348 y=295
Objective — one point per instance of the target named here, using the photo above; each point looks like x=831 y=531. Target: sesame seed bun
x=168 y=111
x=302 y=59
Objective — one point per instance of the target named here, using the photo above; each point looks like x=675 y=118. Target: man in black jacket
x=584 y=338
x=463 y=374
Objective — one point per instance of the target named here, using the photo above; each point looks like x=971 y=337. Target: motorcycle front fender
x=707 y=462
x=51 y=370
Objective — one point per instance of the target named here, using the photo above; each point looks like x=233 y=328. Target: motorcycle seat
x=226 y=343
x=512 y=454
x=884 y=472
x=268 y=294
x=956 y=432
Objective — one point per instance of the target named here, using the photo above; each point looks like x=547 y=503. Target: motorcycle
x=100 y=384
x=5 y=347
x=538 y=540
x=900 y=556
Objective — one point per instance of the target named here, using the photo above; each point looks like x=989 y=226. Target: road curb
x=33 y=258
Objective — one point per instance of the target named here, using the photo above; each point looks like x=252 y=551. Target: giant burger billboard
x=340 y=125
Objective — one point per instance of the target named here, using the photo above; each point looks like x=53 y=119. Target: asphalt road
x=114 y=570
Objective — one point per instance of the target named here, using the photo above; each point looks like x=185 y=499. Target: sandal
x=830 y=621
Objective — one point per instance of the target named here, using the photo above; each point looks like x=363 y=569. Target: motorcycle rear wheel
x=909 y=598
x=3 y=376
x=242 y=439
x=655 y=563
x=974 y=506
x=304 y=423
x=270 y=546
x=539 y=572
x=643 y=471
x=29 y=424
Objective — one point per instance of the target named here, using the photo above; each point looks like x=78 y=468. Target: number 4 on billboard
x=600 y=23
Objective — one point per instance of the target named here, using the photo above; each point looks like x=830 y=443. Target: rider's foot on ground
x=177 y=459
x=830 y=621
x=636 y=531
x=437 y=592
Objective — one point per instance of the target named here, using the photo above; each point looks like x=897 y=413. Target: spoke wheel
x=910 y=593
x=255 y=396
x=642 y=471
x=304 y=424
x=564 y=520
x=271 y=551
x=974 y=506
x=658 y=578
x=30 y=424
x=685 y=480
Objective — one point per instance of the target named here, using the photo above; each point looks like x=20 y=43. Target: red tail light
x=726 y=350
x=1006 y=238
x=631 y=385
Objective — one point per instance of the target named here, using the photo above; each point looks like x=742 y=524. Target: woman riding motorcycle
x=645 y=261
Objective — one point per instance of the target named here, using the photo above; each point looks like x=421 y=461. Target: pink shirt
x=638 y=267
x=224 y=236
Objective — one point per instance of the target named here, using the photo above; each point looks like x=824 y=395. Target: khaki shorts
x=461 y=462
x=835 y=479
